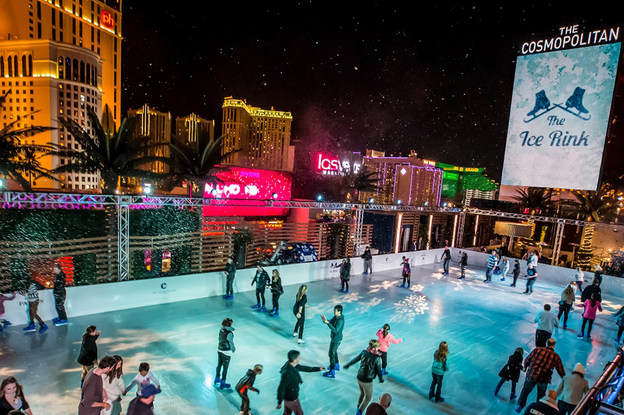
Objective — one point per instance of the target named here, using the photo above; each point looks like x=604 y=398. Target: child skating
x=385 y=338
x=144 y=378
x=438 y=368
x=511 y=371
x=276 y=291
x=246 y=383
x=406 y=273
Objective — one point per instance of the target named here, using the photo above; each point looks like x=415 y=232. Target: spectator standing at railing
x=59 y=295
x=368 y=261
x=230 y=273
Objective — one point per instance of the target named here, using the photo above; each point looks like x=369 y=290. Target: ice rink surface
x=483 y=324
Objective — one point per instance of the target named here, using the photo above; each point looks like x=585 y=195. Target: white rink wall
x=101 y=298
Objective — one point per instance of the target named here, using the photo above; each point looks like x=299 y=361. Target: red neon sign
x=107 y=20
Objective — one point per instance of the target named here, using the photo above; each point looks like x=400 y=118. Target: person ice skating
x=370 y=368
x=88 y=350
x=32 y=296
x=598 y=274
x=406 y=273
x=511 y=371
x=94 y=397
x=143 y=404
x=288 y=389
x=572 y=389
x=335 y=325
x=531 y=278
x=385 y=338
x=491 y=264
x=504 y=267
x=463 y=263
x=114 y=386
x=345 y=275
x=446 y=258
x=567 y=299
x=276 y=291
x=380 y=408
x=3 y=297
x=547 y=405
x=589 y=315
x=230 y=274
x=261 y=279
x=59 y=295
x=515 y=272
x=580 y=279
x=539 y=366
x=590 y=290
x=368 y=261
x=143 y=379
x=546 y=322
x=619 y=316
x=12 y=397
x=299 y=310
x=246 y=383
x=438 y=368
x=225 y=350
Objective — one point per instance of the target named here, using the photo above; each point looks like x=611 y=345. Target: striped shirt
x=491 y=263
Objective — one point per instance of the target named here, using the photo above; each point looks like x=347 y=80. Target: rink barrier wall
x=102 y=298
x=611 y=286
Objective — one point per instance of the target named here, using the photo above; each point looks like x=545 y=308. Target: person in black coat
x=288 y=389
x=594 y=288
x=335 y=325
x=345 y=275
x=276 y=291
x=516 y=273
x=59 y=295
x=230 y=273
x=463 y=263
x=511 y=371
x=88 y=351
x=367 y=256
x=261 y=279
x=370 y=368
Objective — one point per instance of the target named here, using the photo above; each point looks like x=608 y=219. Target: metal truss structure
x=125 y=203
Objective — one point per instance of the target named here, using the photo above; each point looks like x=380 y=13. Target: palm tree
x=355 y=183
x=17 y=157
x=196 y=163
x=112 y=154
x=591 y=207
x=534 y=199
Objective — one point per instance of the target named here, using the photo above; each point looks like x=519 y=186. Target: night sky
x=434 y=76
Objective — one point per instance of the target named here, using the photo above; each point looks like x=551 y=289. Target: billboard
x=247 y=192
x=559 y=117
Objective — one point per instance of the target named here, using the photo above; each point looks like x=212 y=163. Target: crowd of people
x=102 y=385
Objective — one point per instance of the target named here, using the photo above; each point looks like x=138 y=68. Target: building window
x=38 y=30
x=24 y=67
x=61 y=72
x=68 y=68
x=30 y=65
x=15 y=71
x=75 y=70
x=82 y=71
x=2 y=68
x=88 y=70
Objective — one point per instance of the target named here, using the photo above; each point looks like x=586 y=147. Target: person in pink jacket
x=591 y=307
x=385 y=338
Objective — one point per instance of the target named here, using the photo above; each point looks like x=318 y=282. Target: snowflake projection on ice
x=364 y=306
x=327 y=306
x=408 y=308
x=382 y=286
x=416 y=288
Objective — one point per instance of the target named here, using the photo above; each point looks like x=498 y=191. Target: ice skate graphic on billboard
x=559 y=117
x=573 y=105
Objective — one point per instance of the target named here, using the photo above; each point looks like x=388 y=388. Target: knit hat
x=149 y=390
x=550 y=398
x=579 y=368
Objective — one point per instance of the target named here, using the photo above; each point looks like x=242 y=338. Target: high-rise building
x=261 y=138
x=153 y=128
x=192 y=127
x=59 y=57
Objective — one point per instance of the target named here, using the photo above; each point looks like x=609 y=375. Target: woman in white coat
x=114 y=387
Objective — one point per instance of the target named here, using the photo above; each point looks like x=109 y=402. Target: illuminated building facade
x=191 y=127
x=260 y=137
x=153 y=128
x=49 y=80
x=406 y=179
x=59 y=57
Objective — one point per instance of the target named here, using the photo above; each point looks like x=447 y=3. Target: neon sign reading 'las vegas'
x=331 y=165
